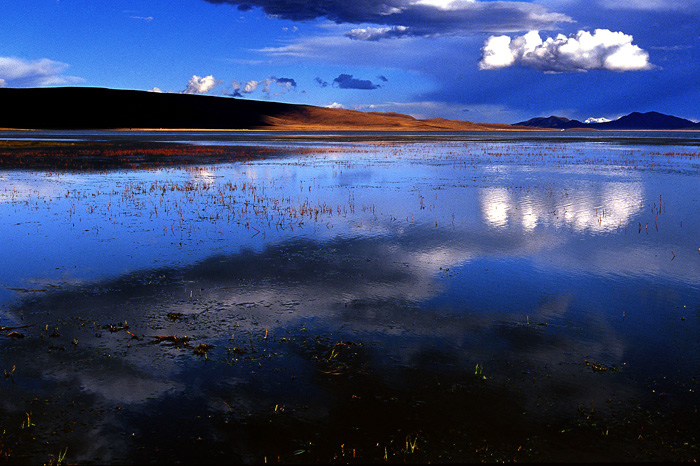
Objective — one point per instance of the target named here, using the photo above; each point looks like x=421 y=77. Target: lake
x=349 y=297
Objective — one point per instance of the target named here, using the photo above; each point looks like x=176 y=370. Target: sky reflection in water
x=524 y=282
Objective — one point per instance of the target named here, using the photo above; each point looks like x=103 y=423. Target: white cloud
x=496 y=53
x=199 y=85
x=444 y=4
x=250 y=86
x=156 y=89
x=17 y=72
x=583 y=51
x=597 y=120
x=335 y=105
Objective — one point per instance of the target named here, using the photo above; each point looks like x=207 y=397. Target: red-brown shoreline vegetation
x=105 y=156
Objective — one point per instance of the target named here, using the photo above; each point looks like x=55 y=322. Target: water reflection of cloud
x=376 y=290
x=436 y=258
x=495 y=206
x=369 y=284
x=116 y=386
x=202 y=175
x=585 y=207
x=19 y=191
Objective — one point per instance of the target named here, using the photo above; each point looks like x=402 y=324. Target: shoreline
x=325 y=129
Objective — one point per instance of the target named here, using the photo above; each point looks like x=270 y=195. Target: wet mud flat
x=403 y=303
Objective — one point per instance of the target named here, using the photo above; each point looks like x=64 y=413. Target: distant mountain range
x=633 y=121
x=99 y=108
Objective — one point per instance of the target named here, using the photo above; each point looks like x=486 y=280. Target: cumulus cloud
x=597 y=120
x=335 y=105
x=284 y=85
x=199 y=85
x=413 y=17
x=346 y=81
x=17 y=72
x=583 y=51
x=250 y=86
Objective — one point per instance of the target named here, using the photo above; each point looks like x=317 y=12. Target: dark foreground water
x=364 y=298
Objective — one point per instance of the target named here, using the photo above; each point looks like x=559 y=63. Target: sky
x=475 y=60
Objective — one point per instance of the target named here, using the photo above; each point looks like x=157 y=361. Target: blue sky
x=485 y=61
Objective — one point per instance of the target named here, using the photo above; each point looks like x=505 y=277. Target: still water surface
x=414 y=298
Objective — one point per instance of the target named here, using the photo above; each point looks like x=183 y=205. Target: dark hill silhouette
x=90 y=108
x=552 y=122
x=649 y=120
x=633 y=121
x=99 y=108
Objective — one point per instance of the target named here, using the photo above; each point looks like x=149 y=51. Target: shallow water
x=408 y=298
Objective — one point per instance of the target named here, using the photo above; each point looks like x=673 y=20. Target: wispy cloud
x=583 y=51
x=18 y=72
x=373 y=34
x=671 y=48
x=414 y=17
x=283 y=85
x=135 y=14
x=338 y=49
x=417 y=109
x=651 y=5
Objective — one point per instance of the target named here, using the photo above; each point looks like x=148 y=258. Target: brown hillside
x=308 y=118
